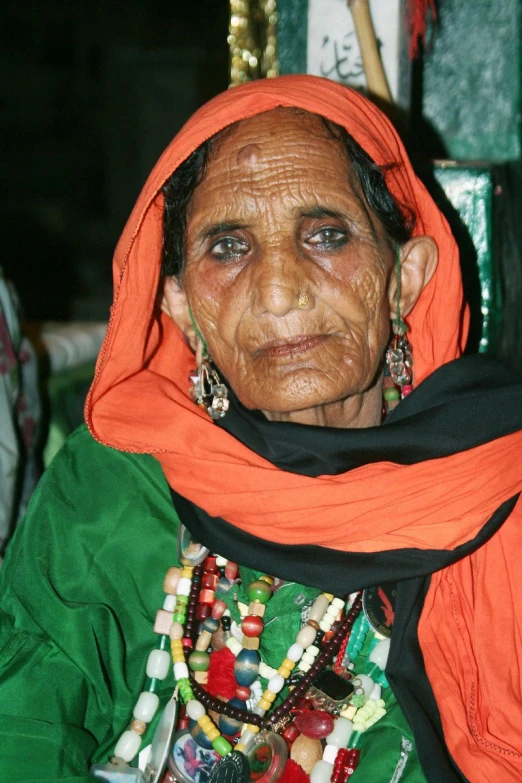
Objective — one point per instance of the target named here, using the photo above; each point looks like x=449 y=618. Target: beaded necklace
x=194 y=597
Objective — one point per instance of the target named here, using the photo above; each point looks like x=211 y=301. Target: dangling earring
x=207 y=389
x=399 y=362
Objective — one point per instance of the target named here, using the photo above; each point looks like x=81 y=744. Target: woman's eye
x=228 y=248
x=328 y=237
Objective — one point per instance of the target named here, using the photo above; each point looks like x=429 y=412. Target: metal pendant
x=190 y=553
x=233 y=768
x=379 y=607
x=267 y=756
x=161 y=742
x=188 y=761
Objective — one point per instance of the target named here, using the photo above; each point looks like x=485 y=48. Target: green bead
x=259 y=591
x=199 y=661
x=177 y=617
x=163 y=643
x=391 y=393
x=152 y=685
x=182 y=600
x=222 y=746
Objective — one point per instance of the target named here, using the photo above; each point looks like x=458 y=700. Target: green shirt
x=80 y=587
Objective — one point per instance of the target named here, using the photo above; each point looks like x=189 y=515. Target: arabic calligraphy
x=341 y=56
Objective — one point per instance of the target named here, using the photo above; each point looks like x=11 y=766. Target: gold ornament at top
x=252 y=40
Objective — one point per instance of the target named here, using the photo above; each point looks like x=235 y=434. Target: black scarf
x=464 y=404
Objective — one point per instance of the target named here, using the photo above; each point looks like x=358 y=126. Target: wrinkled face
x=286 y=269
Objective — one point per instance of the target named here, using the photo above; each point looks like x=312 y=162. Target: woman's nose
x=277 y=285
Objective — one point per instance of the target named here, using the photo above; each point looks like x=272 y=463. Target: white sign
x=333 y=49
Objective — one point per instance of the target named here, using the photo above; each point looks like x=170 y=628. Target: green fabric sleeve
x=79 y=588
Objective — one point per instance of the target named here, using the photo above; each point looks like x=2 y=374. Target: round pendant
x=188 y=762
x=161 y=743
x=233 y=768
x=379 y=607
x=267 y=756
x=190 y=552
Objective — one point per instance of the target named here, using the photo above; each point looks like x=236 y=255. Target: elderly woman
x=280 y=272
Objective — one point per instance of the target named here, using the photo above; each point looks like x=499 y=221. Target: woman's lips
x=291 y=347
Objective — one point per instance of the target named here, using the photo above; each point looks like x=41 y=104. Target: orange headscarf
x=139 y=402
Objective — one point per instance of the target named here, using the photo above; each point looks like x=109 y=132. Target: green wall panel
x=471 y=80
x=292 y=34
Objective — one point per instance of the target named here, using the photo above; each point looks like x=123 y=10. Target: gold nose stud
x=303 y=301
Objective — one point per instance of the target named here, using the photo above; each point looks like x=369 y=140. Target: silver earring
x=398 y=356
x=208 y=391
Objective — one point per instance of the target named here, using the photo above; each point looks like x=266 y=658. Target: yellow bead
x=265 y=704
x=288 y=663
x=178 y=658
x=187 y=572
x=212 y=733
x=252 y=728
x=204 y=721
x=269 y=696
x=330 y=596
x=240 y=747
x=268 y=579
x=284 y=671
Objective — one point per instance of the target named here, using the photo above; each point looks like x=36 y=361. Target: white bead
x=338 y=603
x=329 y=753
x=325 y=625
x=276 y=683
x=306 y=636
x=266 y=671
x=146 y=706
x=341 y=733
x=379 y=654
x=375 y=695
x=247 y=736
x=127 y=745
x=181 y=671
x=295 y=652
x=195 y=709
x=234 y=645
x=221 y=561
x=304 y=666
x=184 y=585
x=331 y=612
x=169 y=604
x=313 y=650
x=259 y=711
x=321 y=772
x=158 y=664
x=176 y=631
x=319 y=607
x=308 y=657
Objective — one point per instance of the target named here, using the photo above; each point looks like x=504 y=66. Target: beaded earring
x=398 y=373
x=207 y=390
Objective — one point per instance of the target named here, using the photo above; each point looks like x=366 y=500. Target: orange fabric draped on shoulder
x=139 y=402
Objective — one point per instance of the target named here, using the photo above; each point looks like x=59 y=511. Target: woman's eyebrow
x=320 y=212
x=218 y=228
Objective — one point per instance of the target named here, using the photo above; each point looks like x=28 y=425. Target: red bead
x=210 y=564
x=252 y=625
x=407 y=389
x=186 y=642
x=218 y=609
x=316 y=724
x=231 y=570
x=243 y=692
x=290 y=733
x=206 y=597
x=203 y=611
x=209 y=581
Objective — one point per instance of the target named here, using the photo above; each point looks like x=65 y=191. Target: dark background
x=91 y=94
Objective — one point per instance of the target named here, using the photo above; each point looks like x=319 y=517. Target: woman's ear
x=174 y=304
x=419 y=257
